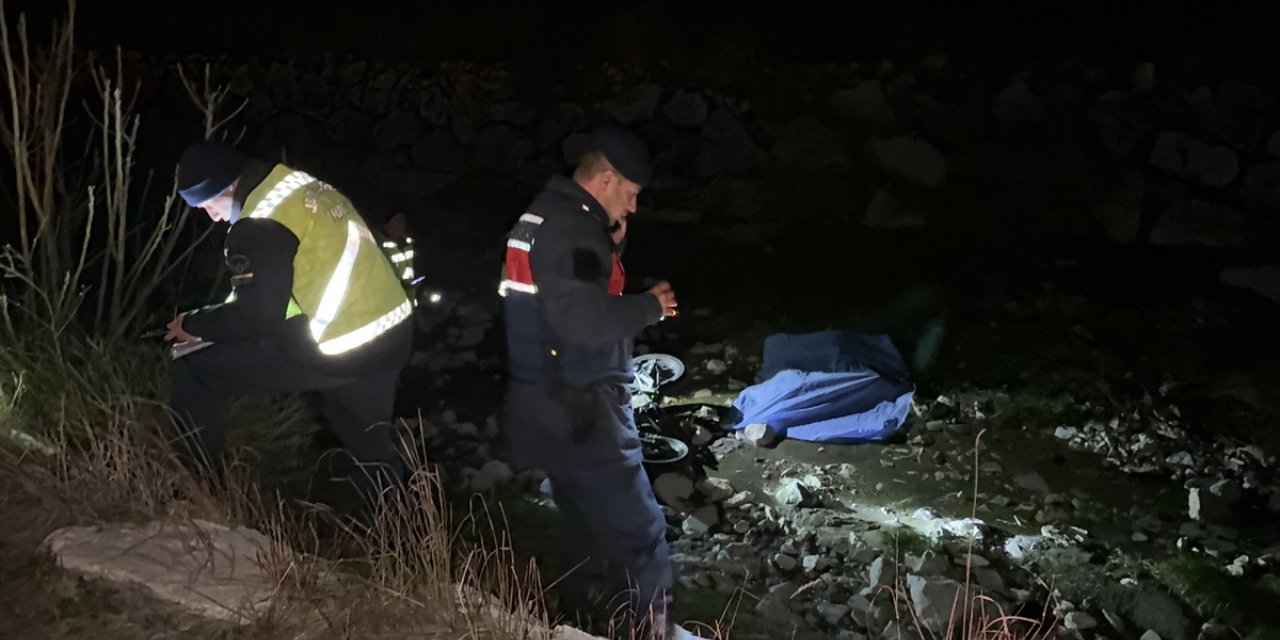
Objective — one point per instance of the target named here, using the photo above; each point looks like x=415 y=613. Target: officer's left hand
x=176 y=332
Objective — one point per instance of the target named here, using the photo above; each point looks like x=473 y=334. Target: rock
x=675 y=216
x=880 y=575
x=866 y=101
x=725 y=147
x=1144 y=76
x=1121 y=214
x=401 y=129
x=1150 y=635
x=1200 y=223
x=931 y=564
x=214 y=570
x=1166 y=153
x=1180 y=155
x=1264 y=281
x=702 y=521
x=1160 y=613
x=1236 y=116
x=497 y=149
x=807 y=144
x=933 y=600
x=760 y=434
x=1032 y=482
x=792 y=492
x=573 y=146
x=1273 y=144
x=349 y=126
x=1119 y=121
x=739 y=499
x=1017 y=103
x=1138 y=536
x=686 y=109
x=674 y=490
x=887 y=211
x=1114 y=620
x=637 y=103
x=1213 y=502
x=716 y=367
x=785 y=562
x=1261 y=187
x=716 y=489
x=561 y=120
x=510 y=112
x=1079 y=621
x=990 y=580
x=1065 y=433
x=776 y=604
x=912 y=158
x=874 y=539
x=492 y=474
x=439 y=152
x=1210 y=166
x=566 y=632
x=832 y=613
x=735 y=567
x=814 y=563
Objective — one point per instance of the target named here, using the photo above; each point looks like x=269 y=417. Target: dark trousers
x=587 y=442
x=619 y=534
x=358 y=407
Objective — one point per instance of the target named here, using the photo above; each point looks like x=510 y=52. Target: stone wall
x=1140 y=154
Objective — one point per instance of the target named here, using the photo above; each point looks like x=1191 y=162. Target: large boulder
x=214 y=570
x=911 y=158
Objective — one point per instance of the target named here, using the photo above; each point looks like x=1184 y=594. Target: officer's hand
x=176 y=332
x=666 y=297
x=621 y=232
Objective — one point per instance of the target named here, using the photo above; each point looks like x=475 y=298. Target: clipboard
x=180 y=349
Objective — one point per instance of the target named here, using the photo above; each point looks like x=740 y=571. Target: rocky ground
x=1102 y=505
x=1092 y=245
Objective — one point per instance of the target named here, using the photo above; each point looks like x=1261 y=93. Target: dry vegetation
x=82 y=426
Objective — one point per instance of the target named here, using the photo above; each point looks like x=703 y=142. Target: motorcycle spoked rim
x=649 y=439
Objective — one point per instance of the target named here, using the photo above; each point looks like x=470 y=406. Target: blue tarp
x=830 y=386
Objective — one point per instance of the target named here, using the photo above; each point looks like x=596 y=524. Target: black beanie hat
x=206 y=169
x=625 y=151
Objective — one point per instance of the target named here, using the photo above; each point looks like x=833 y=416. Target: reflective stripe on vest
x=335 y=290
x=353 y=339
x=279 y=192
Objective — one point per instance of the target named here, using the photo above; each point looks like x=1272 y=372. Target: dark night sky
x=545 y=32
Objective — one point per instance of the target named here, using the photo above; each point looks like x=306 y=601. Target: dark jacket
x=572 y=329
x=259 y=252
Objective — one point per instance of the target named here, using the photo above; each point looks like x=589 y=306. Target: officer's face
x=620 y=198
x=219 y=208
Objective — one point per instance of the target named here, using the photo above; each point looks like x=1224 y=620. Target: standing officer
x=314 y=306
x=569 y=332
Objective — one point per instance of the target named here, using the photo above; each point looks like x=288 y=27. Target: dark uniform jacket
x=565 y=314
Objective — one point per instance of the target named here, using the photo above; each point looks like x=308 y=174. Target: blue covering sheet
x=830 y=386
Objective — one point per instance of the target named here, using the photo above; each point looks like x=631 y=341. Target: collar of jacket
x=574 y=191
x=254 y=173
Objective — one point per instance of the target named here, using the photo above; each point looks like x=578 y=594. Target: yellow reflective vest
x=341 y=280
